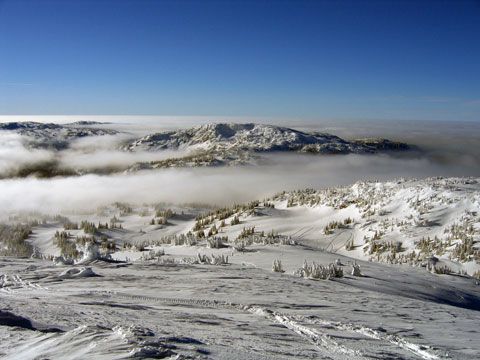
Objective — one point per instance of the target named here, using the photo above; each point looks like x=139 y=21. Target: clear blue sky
x=316 y=59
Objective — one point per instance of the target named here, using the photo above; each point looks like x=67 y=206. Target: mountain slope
x=53 y=136
x=257 y=138
x=434 y=222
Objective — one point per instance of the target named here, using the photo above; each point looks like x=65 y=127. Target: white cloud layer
x=208 y=185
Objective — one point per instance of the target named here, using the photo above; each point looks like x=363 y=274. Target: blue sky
x=306 y=59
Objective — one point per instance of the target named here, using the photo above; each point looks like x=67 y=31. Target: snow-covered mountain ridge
x=53 y=136
x=259 y=138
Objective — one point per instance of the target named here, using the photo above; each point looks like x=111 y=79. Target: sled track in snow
x=322 y=341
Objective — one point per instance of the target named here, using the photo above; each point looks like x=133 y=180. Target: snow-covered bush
x=316 y=271
x=153 y=255
x=215 y=243
x=356 y=270
x=60 y=260
x=277 y=266
x=261 y=238
x=442 y=269
x=476 y=275
x=36 y=254
x=212 y=260
x=91 y=252
x=240 y=246
x=349 y=245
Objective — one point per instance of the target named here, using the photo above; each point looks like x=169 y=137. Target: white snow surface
x=153 y=299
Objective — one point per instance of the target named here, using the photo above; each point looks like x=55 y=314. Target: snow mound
x=60 y=261
x=75 y=273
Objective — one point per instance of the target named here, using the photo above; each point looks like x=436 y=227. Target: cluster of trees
x=246 y=232
x=68 y=249
x=235 y=220
x=465 y=250
x=124 y=208
x=331 y=226
x=196 y=160
x=394 y=247
x=165 y=213
x=159 y=221
x=428 y=246
x=88 y=227
x=115 y=223
x=69 y=246
x=70 y=226
x=13 y=240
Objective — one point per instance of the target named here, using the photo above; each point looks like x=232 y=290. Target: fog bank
x=210 y=185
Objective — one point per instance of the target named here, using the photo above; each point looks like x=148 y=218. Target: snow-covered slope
x=257 y=137
x=404 y=221
x=197 y=282
x=432 y=222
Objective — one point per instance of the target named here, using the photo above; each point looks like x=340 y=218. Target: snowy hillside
x=434 y=222
x=366 y=271
x=200 y=146
x=54 y=136
x=257 y=137
x=280 y=278
x=401 y=222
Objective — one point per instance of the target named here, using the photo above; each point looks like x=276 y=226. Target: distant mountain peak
x=49 y=135
x=257 y=138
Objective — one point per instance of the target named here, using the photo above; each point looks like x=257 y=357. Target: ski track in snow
x=10 y=283
x=324 y=342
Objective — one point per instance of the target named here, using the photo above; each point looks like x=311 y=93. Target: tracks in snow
x=419 y=350
x=10 y=283
x=323 y=341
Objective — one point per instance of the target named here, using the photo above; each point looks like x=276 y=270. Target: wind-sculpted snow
x=154 y=310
